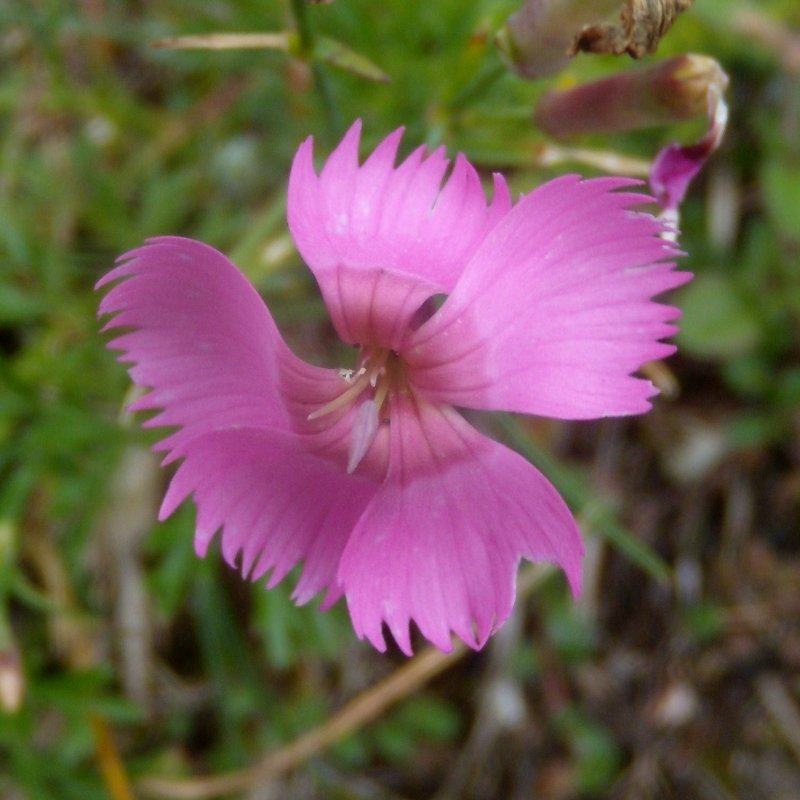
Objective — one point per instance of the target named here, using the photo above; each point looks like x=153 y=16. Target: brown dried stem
x=780 y=40
x=355 y=715
x=643 y=24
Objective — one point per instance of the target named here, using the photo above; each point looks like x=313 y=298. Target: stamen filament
x=340 y=401
x=380 y=394
x=372 y=373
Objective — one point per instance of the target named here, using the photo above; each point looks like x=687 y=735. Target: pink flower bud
x=538 y=40
x=669 y=91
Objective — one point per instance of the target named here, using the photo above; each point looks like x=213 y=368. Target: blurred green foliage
x=104 y=141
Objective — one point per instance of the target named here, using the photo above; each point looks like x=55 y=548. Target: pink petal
x=364 y=430
x=673 y=170
x=379 y=239
x=676 y=166
x=554 y=312
x=276 y=505
x=441 y=540
x=204 y=343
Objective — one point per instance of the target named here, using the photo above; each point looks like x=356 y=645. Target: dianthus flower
x=369 y=476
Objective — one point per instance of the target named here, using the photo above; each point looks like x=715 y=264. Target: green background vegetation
x=668 y=679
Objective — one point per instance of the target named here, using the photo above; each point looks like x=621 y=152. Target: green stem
x=322 y=81
x=595 y=513
x=488 y=75
x=333 y=115
x=301 y=21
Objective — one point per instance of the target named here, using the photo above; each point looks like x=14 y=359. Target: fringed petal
x=204 y=343
x=553 y=313
x=382 y=239
x=440 y=542
x=275 y=504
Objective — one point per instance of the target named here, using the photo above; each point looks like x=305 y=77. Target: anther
x=372 y=373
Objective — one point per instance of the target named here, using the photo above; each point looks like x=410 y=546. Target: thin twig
x=321 y=79
x=359 y=712
x=754 y=24
x=280 y=40
x=355 y=715
x=549 y=154
x=782 y=709
x=111 y=766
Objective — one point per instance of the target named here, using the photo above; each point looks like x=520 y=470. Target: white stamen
x=376 y=375
x=365 y=428
x=348 y=395
x=349 y=375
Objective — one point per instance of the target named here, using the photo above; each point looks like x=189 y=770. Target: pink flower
x=370 y=477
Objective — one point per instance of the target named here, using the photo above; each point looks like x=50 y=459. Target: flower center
x=381 y=373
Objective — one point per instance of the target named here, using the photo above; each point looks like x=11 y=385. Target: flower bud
x=669 y=91
x=538 y=40
x=676 y=165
